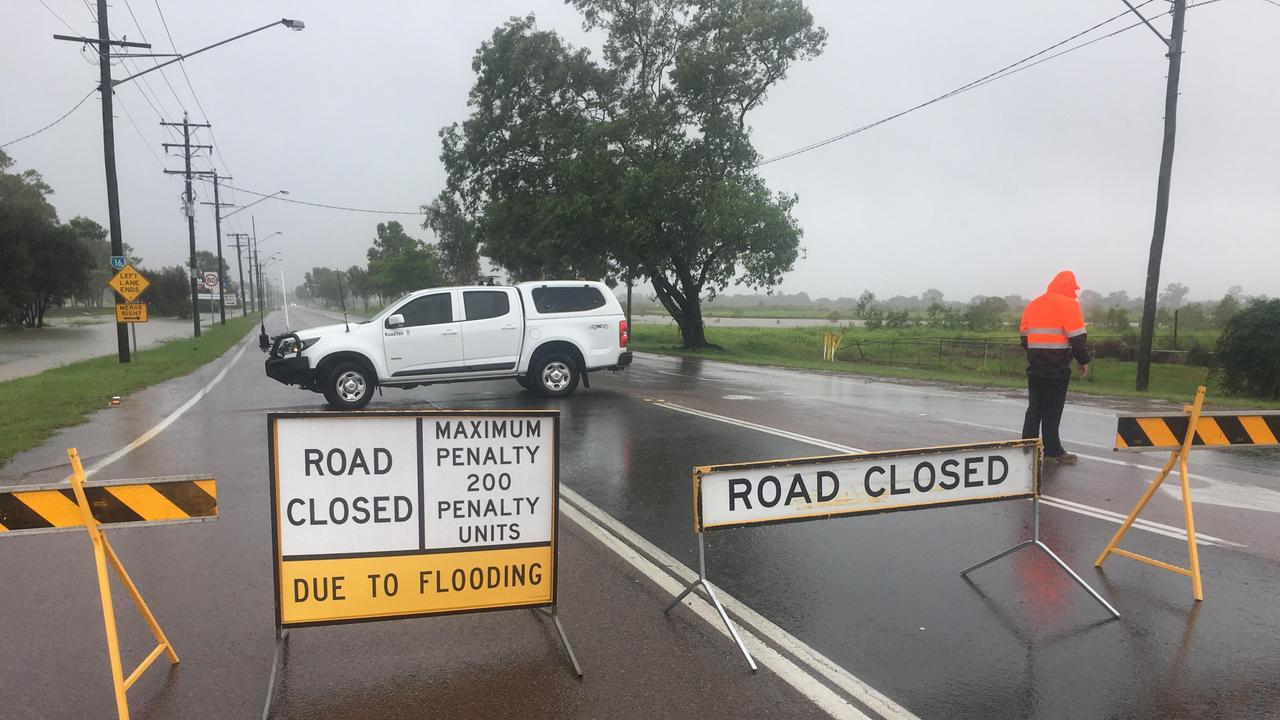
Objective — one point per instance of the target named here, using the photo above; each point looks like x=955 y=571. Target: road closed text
x=869 y=482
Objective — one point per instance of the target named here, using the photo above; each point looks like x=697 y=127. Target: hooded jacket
x=1053 y=329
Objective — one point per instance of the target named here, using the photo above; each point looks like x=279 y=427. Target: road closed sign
x=407 y=514
x=779 y=491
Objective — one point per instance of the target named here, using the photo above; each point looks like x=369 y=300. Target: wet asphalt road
x=881 y=595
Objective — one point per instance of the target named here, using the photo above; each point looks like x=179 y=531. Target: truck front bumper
x=293 y=370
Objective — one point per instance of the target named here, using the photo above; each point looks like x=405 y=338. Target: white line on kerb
x=169 y=419
x=672 y=576
x=1068 y=505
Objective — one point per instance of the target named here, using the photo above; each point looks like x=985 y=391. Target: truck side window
x=567 y=299
x=428 y=310
x=485 y=304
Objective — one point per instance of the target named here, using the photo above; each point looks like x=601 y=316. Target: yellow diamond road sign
x=129 y=283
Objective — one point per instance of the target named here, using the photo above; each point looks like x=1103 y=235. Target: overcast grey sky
x=989 y=192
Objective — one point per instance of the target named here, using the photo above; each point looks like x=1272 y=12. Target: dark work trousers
x=1046 y=396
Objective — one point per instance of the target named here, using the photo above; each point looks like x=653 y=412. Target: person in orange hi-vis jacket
x=1053 y=333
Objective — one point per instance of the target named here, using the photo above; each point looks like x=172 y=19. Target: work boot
x=1065 y=458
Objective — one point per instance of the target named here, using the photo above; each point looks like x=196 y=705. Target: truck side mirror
x=395 y=321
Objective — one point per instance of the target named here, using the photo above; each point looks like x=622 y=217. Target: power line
x=145 y=143
x=1002 y=72
x=182 y=66
x=323 y=205
x=55 y=122
x=164 y=111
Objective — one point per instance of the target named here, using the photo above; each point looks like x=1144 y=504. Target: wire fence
x=997 y=357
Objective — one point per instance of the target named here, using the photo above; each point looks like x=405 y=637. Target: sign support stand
x=102 y=553
x=711 y=593
x=564 y=639
x=1179 y=457
x=282 y=637
x=1035 y=540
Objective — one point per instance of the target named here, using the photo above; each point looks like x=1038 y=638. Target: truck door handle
x=449 y=332
x=510 y=327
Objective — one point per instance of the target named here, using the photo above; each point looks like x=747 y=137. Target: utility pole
x=106 y=88
x=1174 y=43
x=244 y=308
x=189 y=208
x=217 y=225
x=256 y=266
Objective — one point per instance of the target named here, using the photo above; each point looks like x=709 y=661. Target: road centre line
x=169 y=419
x=673 y=576
x=1070 y=506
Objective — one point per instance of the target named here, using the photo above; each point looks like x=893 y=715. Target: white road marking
x=159 y=427
x=1148 y=525
x=862 y=383
x=1079 y=508
x=672 y=576
x=759 y=428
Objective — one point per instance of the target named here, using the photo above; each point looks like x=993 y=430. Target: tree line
x=49 y=263
x=398 y=263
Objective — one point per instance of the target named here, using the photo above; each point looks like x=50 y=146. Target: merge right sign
x=777 y=491
x=381 y=515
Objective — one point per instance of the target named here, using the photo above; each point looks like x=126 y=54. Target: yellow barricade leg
x=102 y=553
x=1193 y=551
x=1178 y=457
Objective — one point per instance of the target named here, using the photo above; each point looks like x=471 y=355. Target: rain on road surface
x=880 y=596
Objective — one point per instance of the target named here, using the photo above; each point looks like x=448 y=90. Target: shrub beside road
x=991 y=359
x=36 y=406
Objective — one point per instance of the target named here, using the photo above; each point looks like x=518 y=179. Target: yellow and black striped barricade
x=1216 y=431
x=81 y=504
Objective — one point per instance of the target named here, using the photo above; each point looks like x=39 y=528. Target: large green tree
x=399 y=263
x=639 y=166
x=456 y=240
x=44 y=262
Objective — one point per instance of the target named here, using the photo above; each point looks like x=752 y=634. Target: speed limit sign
x=211 y=280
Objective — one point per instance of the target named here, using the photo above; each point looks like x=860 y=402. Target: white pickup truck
x=545 y=335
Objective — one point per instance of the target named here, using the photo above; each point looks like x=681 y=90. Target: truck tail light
x=624 y=333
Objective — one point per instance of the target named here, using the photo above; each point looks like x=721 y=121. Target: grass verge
x=37 y=406
x=802 y=348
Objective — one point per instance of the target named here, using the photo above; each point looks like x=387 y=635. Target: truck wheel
x=555 y=375
x=349 y=386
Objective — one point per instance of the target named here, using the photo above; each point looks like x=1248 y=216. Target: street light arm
x=292 y=24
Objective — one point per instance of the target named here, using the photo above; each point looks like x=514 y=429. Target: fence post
x=893 y=346
x=984 y=355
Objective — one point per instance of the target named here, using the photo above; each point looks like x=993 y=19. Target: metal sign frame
x=550 y=609
x=700 y=530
